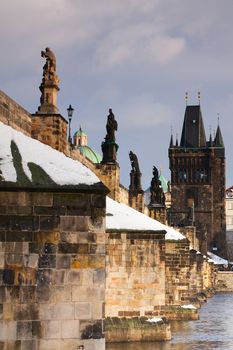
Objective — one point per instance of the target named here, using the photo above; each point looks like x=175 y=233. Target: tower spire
x=218 y=141
x=171 y=139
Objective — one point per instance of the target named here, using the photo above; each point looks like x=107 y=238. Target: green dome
x=80 y=133
x=90 y=154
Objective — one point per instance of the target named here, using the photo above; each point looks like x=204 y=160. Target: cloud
x=137 y=43
x=143 y=111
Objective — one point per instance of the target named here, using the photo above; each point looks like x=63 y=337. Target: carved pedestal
x=136 y=200
x=135 y=181
x=157 y=212
x=109 y=149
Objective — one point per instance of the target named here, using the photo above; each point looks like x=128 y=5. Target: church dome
x=88 y=152
x=79 y=133
x=80 y=143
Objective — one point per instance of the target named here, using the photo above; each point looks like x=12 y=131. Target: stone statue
x=111 y=127
x=49 y=69
x=135 y=174
x=49 y=85
x=157 y=195
x=134 y=162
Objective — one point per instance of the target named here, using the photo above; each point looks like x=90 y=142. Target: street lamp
x=70 y=113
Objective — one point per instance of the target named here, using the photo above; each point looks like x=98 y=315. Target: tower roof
x=193 y=132
x=218 y=141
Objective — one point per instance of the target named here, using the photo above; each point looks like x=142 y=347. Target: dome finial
x=199 y=97
x=186 y=97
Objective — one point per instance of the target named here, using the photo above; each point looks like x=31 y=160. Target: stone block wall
x=135 y=273
x=52 y=276
x=51 y=130
x=109 y=174
x=136 y=200
x=225 y=281
x=123 y=195
x=190 y=233
x=158 y=213
x=177 y=271
x=12 y=114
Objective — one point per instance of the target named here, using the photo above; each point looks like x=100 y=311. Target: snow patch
x=217 y=259
x=120 y=216
x=189 y=307
x=154 y=320
x=61 y=169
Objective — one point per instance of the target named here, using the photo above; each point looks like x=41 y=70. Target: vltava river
x=214 y=330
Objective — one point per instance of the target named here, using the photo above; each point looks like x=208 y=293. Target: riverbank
x=212 y=331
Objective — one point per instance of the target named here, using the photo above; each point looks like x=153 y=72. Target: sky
x=138 y=57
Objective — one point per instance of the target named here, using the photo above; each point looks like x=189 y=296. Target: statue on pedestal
x=111 y=127
x=157 y=195
x=135 y=174
x=134 y=162
x=49 y=85
x=49 y=69
x=109 y=146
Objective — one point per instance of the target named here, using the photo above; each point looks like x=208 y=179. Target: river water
x=214 y=330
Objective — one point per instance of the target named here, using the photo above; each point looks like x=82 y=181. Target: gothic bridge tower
x=198 y=182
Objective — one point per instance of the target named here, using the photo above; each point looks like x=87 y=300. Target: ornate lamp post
x=70 y=113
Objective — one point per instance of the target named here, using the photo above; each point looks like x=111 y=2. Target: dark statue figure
x=134 y=162
x=135 y=174
x=111 y=127
x=109 y=146
x=157 y=195
x=49 y=69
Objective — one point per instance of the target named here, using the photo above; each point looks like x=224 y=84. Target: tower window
x=201 y=175
x=182 y=175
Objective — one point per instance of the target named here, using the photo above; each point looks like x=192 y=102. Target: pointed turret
x=218 y=141
x=171 y=141
x=210 y=141
x=193 y=132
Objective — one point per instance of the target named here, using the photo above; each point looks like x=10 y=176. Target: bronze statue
x=111 y=127
x=157 y=195
x=134 y=162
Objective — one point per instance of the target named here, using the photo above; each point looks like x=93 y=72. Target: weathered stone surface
x=136 y=329
x=48 y=252
x=52 y=329
x=63 y=261
x=70 y=329
x=74 y=277
x=83 y=311
x=135 y=273
x=74 y=223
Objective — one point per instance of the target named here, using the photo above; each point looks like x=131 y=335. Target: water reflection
x=214 y=330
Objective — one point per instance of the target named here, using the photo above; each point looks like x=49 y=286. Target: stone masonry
x=52 y=270
x=12 y=114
